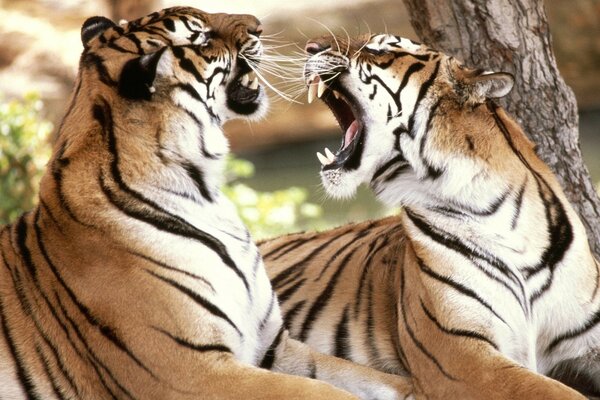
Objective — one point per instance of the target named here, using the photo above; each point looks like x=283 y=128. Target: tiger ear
x=93 y=27
x=137 y=77
x=492 y=84
x=477 y=84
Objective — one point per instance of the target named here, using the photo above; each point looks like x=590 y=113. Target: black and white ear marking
x=137 y=77
x=93 y=27
x=492 y=84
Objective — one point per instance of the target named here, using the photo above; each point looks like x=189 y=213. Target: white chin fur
x=263 y=107
x=339 y=184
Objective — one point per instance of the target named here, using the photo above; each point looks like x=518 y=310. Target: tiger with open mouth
x=134 y=278
x=484 y=285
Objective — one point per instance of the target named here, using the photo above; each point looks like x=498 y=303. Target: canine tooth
x=329 y=155
x=311 y=93
x=323 y=159
x=321 y=88
x=254 y=84
x=245 y=80
x=336 y=94
x=311 y=78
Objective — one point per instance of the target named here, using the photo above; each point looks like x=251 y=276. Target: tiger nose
x=256 y=31
x=315 y=46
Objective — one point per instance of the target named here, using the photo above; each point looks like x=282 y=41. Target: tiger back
x=134 y=278
x=485 y=284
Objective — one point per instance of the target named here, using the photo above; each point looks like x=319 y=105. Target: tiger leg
x=456 y=345
x=296 y=358
x=485 y=375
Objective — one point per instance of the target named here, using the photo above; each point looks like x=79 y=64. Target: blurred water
x=296 y=165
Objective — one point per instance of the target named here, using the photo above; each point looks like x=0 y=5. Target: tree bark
x=513 y=36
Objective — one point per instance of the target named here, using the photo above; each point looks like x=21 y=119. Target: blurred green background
x=274 y=181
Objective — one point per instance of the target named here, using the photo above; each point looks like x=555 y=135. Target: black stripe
x=291 y=315
x=186 y=64
x=288 y=246
x=432 y=171
x=324 y=297
x=92 y=359
x=368 y=260
x=411 y=333
x=370 y=325
x=94 y=60
x=454 y=243
x=312 y=369
x=105 y=330
x=385 y=167
x=57 y=173
x=49 y=213
x=457 y=286
x=422 y=92
x=587 y=326
x=169 y=24
x=26 y=307
x=352 y=242
x=189 y=89
x=203 y=348
x=269 y=357
x=487 y=211
x=207 y=305
x=559 y=226
x=286 y=294
x=456 y=332
x=281 y=278
x=23 y=374
x=342 y=336
x=518 y=205
x=170 y=268
x=265 y=319
x=197 y=176
x=198 y=123
x=162 y=220
x=21 y=230
x=22 y=299
x=58 y=392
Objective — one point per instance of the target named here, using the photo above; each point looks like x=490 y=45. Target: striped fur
x=484 y=285
x=134 y=278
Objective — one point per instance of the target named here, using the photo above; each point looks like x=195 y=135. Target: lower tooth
x=329 y=154
x=254 y=84
x=245 y=80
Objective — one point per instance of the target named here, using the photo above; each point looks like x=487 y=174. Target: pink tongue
x=350 y=133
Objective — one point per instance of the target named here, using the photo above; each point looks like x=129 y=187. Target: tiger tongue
x=350 y=133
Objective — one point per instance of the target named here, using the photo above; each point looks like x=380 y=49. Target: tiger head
x=205 y=56
x=386 y=92
x=154 y=93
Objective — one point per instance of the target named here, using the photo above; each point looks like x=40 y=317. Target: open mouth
x=243 y=91
x=342 y=105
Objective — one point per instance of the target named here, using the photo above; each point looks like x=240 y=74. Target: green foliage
x=24 y=150
x=268 y=214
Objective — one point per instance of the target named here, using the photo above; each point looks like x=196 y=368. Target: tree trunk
x=513 y=36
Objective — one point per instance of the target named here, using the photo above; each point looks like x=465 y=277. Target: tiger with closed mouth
x=134 y=278
x=484 y=285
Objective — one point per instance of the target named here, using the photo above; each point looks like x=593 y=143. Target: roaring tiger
x=134 y=278
x=485 y=284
